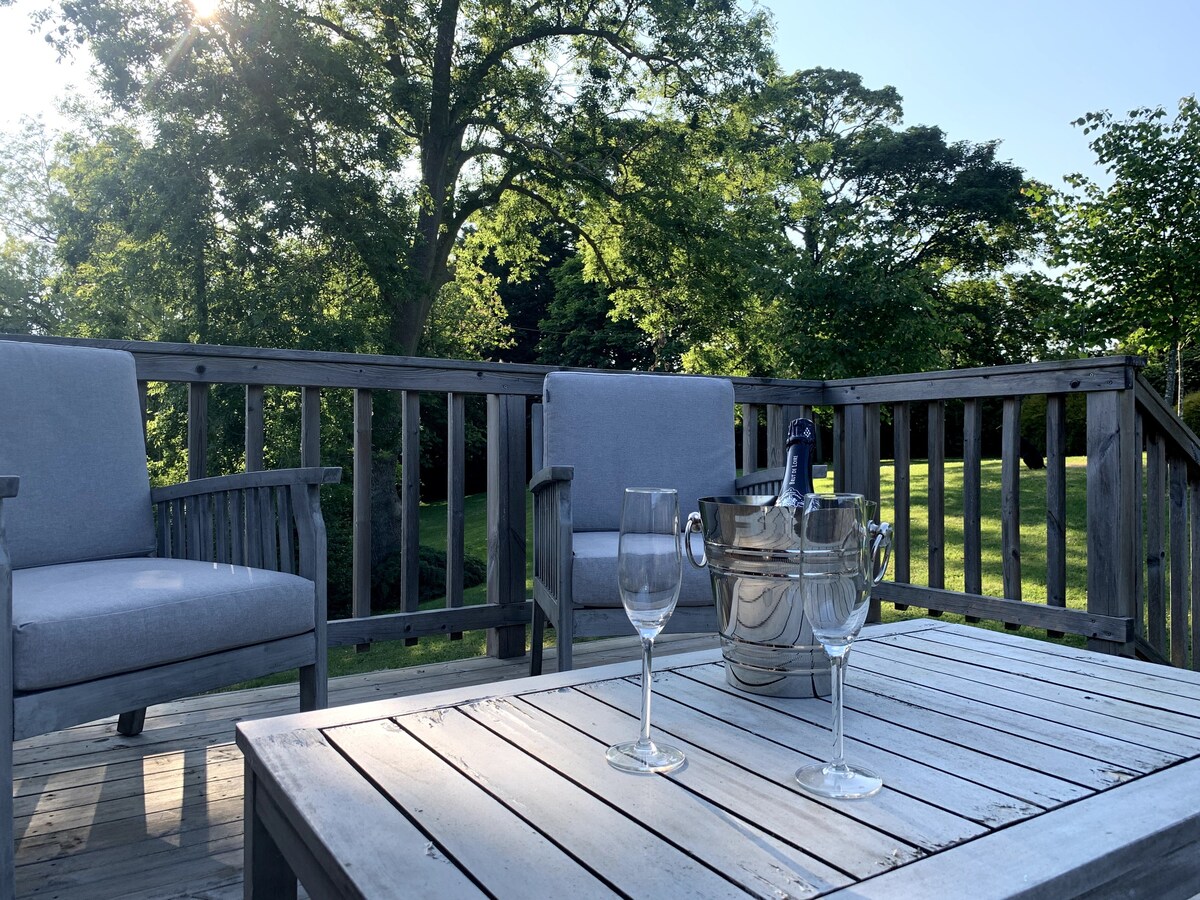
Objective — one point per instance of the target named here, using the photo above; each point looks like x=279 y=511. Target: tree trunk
x=1179 y=378
x=427 y=271
x=1173 y=375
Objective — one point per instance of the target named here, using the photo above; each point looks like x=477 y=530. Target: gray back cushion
x=619 y=431
x=71 y=429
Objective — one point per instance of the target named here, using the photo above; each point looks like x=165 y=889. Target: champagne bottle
x=797 y=475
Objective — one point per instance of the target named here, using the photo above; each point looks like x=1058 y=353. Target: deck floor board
x=160 y=815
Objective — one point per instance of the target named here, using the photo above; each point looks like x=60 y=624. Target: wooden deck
x=160 y=815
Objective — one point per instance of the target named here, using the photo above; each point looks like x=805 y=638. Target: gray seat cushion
x=619 y=431
x=81 y=621
x=594 y=573
x=72 y=431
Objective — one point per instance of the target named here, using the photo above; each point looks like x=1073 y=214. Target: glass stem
x=838 y=663
x=647 y=651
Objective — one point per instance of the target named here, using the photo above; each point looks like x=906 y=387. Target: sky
x=1016 y=71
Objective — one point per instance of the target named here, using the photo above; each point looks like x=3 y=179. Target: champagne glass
x=837 y=554
x=649 y=569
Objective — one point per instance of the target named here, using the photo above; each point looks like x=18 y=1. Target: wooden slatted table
x=1011 y=767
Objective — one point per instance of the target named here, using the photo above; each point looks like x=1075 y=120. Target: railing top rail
x=1164 y=419
x=213 y=364
x=1055 y=377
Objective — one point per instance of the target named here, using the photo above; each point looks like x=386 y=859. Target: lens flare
x=205 y=9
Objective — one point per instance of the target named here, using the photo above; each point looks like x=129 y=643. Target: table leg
x=267 y=875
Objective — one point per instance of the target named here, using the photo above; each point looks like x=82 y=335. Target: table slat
x=1113 y=846
x=882 y=747
x=838 y=840
x=348 y=826
x=625 y=852
x=477 y=832
x=1053 y=704
x=691 y=809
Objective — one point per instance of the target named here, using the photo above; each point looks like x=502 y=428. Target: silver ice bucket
x=753 y=557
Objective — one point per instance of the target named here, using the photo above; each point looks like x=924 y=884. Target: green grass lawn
x=385 y=655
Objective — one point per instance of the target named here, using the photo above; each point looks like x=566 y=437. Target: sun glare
x=205 y=9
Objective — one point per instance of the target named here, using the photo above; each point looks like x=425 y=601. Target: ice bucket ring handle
x=883 y=541
x=695 y=525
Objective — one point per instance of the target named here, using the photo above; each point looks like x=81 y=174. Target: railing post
x=936 y=479
x=902 y=494
x=776 y=436
x=197 y=430
x=1156 y=546
x=839 y=448
x=1177 y=502
x=360 y=589
x=455 y=498
x=1010 y=500
x=310 y=426
x=860 y=460
x=749 y=438
x=972 y=498
x=1194 y=492
x=410 y=503
x=506 y=517
x=856 y=445
x=255 y=428
x=1110 y=508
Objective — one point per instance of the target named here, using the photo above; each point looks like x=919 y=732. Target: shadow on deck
x=160 y=815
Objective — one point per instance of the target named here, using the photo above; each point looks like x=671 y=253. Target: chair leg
x=537 y=634
x=131 y=723
x=7 y=862
x=314 y=688
x=562 y=641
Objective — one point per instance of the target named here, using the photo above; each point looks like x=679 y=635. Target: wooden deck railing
x=508 y=390
x=1128 y=563
x=1129 y=605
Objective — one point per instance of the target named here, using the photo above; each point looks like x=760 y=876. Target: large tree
x=387 y=124
x=803 y=232
x=1135 y=240
x=27 y=231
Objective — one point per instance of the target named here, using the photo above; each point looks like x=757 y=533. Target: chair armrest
x=549 y=476
x=244 y=480
x=763 y=481
x=552 y=540
x=265 y=520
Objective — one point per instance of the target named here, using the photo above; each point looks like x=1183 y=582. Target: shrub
x=385 y=581
x=1191 y=410
x=1033 y=423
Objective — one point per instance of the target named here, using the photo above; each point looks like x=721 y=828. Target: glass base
x=633 y=756
x=838 y=782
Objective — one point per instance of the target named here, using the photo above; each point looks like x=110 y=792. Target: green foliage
x=579 y=328
x=382 y=129
x=1033 y=423
x=799 y=232
x=1191 y=411
x=1008 y=319
x=386 y=580
x=1135 y=243
x=27 y=233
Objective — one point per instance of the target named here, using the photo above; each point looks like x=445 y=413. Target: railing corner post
x=506 y=517
x=1111 y=505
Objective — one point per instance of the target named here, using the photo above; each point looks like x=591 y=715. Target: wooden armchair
x=114 y=597
x=601 y=434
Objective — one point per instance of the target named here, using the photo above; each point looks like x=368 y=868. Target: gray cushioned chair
x=114 y=596
x=601 y=434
